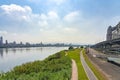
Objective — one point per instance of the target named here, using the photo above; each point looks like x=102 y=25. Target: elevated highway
x=107 y=44
x=110 y=46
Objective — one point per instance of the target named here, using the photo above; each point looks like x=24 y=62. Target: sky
x=57 y=21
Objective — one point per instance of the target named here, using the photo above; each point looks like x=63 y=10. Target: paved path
x=74 y=71
x=88 y=71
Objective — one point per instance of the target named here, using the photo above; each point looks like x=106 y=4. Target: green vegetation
x=71 y=47
x=81 y=47
x=55 y=67
x=75 y=54
x=98 y=74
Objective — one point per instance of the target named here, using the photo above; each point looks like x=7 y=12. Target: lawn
x=75 y=54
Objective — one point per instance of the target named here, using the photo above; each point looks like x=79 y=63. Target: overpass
x=110 y=46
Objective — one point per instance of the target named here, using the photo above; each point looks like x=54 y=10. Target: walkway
x=88 y=71
x=74 y=71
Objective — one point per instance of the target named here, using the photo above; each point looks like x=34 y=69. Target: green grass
x=98 y=74
x=55 y=67
x=75 y=54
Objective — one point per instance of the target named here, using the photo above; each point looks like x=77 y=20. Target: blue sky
x=65 y=21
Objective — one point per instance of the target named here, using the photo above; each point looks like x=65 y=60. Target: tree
x=81 y=47
x=71 y=47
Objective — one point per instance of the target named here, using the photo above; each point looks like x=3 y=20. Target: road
x=88 y=71
x=111 y=71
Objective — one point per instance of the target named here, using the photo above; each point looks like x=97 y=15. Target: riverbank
x=9 y=58
x=55 y=67
x=58 y=66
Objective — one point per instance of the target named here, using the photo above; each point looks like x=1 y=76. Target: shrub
x=55 y=67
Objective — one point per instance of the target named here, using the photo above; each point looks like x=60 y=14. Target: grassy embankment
x=75 y=54
x=55 y=67
x=98 y=74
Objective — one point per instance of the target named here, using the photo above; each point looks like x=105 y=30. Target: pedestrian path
x=88 y=71
x=74 y=71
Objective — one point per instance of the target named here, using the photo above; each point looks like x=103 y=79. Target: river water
x=11 y=57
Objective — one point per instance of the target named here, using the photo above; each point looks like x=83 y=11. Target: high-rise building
x=113 y=32
x=21 y=43
x=109 y=33
x=6 y=42
x=1 y=40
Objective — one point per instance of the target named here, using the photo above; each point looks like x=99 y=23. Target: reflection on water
x=4 y=51
x=11 y=57
x=1 y=53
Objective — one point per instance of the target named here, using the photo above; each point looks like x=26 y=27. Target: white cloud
x=70 y=30
x=73 y=27
x=43 y=23
x=58 y=2
x=49 y=26
x=15 y=8
x=43 y=17
x=16 y=12
x=3 y=32
x=16 y=15
x=52 y=15
x=73 y=16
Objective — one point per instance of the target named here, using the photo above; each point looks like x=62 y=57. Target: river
x=11 y=57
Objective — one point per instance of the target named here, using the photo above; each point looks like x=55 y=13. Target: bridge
x=109 y=46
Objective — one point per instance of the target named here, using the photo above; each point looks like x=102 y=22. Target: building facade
x=113 y=32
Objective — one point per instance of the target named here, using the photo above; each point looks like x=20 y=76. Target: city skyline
x=14 y=44
x=4 y=41
x=53 y=21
